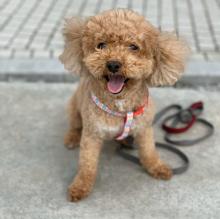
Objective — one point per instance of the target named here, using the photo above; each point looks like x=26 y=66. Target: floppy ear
x=72 y=55
x=169 y=58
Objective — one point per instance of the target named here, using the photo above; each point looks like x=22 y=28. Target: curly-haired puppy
x=118 y=55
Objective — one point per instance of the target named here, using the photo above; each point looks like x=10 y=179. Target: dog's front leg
x=90 y=147
x=149 y=157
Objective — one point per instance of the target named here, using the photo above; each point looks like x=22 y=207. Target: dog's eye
x=101 y=45
x=133 y=47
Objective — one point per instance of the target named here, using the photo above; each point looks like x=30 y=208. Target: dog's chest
x=109 y=127
x=109 y=130
x=120 y=104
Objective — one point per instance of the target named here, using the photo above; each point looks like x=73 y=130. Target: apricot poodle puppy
x=118 y=55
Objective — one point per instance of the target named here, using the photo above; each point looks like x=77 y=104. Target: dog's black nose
x=113 y=66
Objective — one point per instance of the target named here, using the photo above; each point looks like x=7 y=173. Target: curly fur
x=159 y=61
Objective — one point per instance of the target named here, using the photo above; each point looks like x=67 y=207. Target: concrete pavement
x=35 y=168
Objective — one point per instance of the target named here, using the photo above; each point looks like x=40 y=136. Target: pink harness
x=128 y=117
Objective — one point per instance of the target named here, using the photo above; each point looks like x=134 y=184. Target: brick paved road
x=32 y=28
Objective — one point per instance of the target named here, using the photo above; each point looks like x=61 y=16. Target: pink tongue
x=115 y=83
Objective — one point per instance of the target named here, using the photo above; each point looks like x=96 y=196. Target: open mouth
x=115 y=83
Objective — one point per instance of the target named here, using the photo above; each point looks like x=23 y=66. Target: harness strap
x=127 y=126
x=128 y=117
x=105 y=108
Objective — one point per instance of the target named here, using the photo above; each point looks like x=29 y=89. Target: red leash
x=187 y=116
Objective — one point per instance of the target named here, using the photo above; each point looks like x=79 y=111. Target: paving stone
x=21 y=54
x=37 y=45
x=41 y=54
x=5 y=53
x=213 y=56
x=197 y=57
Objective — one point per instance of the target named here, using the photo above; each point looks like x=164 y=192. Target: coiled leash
x=181 y=121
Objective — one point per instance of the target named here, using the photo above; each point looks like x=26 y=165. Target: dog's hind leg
x=149 y=157
x=73 y=135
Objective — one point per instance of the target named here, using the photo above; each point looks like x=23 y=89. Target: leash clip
x=189 y=114
x=185 y=116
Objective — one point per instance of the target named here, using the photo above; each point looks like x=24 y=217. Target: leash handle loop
x=187 y=116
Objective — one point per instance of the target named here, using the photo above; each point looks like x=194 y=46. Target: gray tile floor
x=32 y=28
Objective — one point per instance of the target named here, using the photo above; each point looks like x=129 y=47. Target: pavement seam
x=189 y=4
x=21 y=2
x=23 y=22
x=50 y=37
x=4 y=4
x=207 y=15
x=34 y=33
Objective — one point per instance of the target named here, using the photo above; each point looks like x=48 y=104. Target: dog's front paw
x=76 y=192
x=72 y=139
x=161 y=171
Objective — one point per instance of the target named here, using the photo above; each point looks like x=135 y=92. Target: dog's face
x=115 y=51
x=121 y=50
